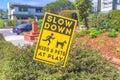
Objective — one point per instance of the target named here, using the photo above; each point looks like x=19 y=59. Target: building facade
x=23 y=12
x=94 y=6
x=105 y=5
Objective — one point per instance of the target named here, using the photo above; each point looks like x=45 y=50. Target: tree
x=3 y=13
x=83 y=10
x=69 y=13
x=59 y=5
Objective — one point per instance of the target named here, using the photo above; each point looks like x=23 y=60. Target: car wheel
x=18 y=33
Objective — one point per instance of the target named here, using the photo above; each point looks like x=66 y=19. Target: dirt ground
x=108 y=46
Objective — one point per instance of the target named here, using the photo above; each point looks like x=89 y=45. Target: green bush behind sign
x=1 y=23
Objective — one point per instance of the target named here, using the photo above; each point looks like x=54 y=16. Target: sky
x=3 y=3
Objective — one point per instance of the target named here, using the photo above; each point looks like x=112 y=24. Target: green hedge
x=11 y=23
x=14 y=22
x=31 y=20
x=83 y=63
x=69 y=13
x=39 y=23
x=112 y=33
x=82 y=33
x=1 y=23
x=99 y=21
x=1 y=37
x=114 y=17
x=106 y=21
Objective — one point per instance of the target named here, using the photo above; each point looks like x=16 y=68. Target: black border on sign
x=39 y=39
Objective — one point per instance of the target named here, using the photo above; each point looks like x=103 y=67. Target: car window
x=21 y=26
x=29 y=27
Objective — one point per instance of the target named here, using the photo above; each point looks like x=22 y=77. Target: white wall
x=106 y=5
x=118 y=5
x=94 y=5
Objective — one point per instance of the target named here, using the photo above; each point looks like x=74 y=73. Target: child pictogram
x=61 y=44
x=49 y=38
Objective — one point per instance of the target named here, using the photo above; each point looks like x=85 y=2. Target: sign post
x=55 y=39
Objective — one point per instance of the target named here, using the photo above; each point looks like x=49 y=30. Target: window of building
x=22 y=18
x=38 y=10
x=23 y=9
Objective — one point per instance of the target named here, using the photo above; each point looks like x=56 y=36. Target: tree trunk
x=86 y=23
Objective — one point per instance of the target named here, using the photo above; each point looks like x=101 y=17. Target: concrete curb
x=115 y=61
x=5 y=29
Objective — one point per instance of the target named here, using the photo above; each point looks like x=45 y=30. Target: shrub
x=102 y=30
x=31 y=20
x=39 y=23
x=82 y=33
x=11 y=23
x=112 y=33
x=118 y=49
x=114 y=17
x=1 y=23
x=99 y=21
x=89 y=64
x=14 y=22
x=101 y=41
x=1 y=37
x=93 y=33
x=83 y=63
x=69 y=13
x=105 y=20
x=8 y=22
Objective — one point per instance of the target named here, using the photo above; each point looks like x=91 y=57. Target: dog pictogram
x=61 y=44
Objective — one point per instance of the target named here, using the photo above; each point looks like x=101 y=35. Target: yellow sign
x=55 y=39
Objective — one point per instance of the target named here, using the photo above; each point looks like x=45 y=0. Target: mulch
x=107 y=46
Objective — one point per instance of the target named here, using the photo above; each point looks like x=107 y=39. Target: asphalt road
x=7 y=32
x=17 y=40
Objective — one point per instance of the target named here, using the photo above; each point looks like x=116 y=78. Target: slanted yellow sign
x=55 y=39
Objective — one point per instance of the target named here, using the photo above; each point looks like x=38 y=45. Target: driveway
x=17 y=40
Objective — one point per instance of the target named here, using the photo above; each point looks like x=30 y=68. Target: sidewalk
x=18 y=40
